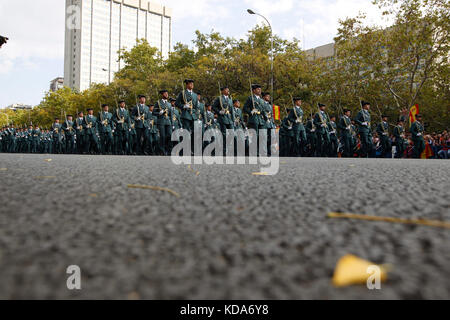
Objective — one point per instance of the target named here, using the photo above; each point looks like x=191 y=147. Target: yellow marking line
x=135 y=186
x=424 y=222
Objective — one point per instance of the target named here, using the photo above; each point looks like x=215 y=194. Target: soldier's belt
x=80 y=128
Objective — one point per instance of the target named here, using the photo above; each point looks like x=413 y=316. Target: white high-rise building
x=97 y=29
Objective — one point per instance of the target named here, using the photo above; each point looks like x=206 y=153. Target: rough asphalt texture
x=231 y=234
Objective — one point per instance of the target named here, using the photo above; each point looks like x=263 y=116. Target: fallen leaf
x=135 y=186
x=134 y=296
x=424 y=222
x=353 y=270
x=45 y=177
x=3 y=169
x=93 y=195
x=260 y=174
x=48 y=160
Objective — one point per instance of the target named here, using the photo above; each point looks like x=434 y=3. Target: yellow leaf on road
x=260 y=174
x=48 y=160
x=353 y=270
x=136 y=186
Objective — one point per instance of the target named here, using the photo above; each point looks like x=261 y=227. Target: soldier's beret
x=265 y=94
x=141 y=96
x=296 y=98
x=151 y=105
x=364 y=103
x=321 y=105
x=255 y=86
x=121 y=101
x=224 y=87
x=69 y=115
x=199 y=93
x=172 y=99
x=399 y=120
x=89 y=109
x=56 y=118
x=81 y=112
x=163 y=91
x=384 y=116
x=418 y=115
x=346 y=110
x=235 y=100
x=188 y=81
x=105 y=105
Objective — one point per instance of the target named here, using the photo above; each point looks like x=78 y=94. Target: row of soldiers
x=147 y=129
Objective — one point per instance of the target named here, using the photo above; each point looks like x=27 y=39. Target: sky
x=34 y=54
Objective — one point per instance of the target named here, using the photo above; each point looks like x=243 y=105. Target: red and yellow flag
x=412 y=114
x=428 y=152
x=276 y=112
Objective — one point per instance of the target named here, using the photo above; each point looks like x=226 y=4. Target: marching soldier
x=121 y=120
x=345 y=126
x=35 y=140
x=286 y=136
x=270 y=124
x=383 y=134
x=254 y=109
x=56 y=135
x=139 y=115
x=323 y=136
x=28 y=138
x=69 y=132
x=152 y=132
x=365 y=132
x=106 y=128
x=187 y=101
x=79 y=133
x=90 y=127
x=298 y=129
x=334 y=142
x=417 y=130
x=164 y=122
x=312 y=137
x=399 y=135
x=132 y=138
x=223 y=108
x=176 y=121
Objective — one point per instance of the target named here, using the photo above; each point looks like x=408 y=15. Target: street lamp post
x=271 y=51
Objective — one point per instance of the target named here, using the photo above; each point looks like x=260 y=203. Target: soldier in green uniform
x=121 y=121
x=239 y=126
x=80 y=133
x=334 y=142
x=223 y=108
x=46 y=141
x=164 y=122
x=323 y=135
x=152 y=132
x=269 y=124
x=105 y=127
x=311 y=137
x=56 y=135
x=417 y=131
x=364 y=129
x=286 y=136
x=35 y=139
x=383 y=134
x=132 y=137
x=12 y=141
x=90 y=128
x=345 y=127
x=399 y=136
x=296 y=119
x=176 y=121
x=187 y=101
x=28 y=139
x=139 y=114
x=254 y=109
x=69 y=133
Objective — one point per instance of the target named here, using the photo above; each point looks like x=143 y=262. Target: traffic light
x=3 y=40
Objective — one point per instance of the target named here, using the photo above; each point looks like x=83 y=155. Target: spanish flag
x=428 y=152
x=412 y=114
x=276 y=112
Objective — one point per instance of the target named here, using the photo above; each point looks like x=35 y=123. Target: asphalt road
x=229 y=234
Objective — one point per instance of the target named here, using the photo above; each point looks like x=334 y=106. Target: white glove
x=324 y=125
x=290 y=128
x=364 y=123
x=186 y=106
x=161 y=112
x=419 y=134
x=222 y=112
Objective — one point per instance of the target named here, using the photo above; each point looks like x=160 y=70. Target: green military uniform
x=334 y=142
x=35 y=140
x=69 y=133
x=80 y=134
x=399 y=135
x=152 y=134
x=105 y=127
x=139 y=114
x=223 y=107
x=312 y=137
x=323 y=136
x=346 y=130
x=365 y=132
x=286 y=137
x=90 y=128
x=299 y=139
x=164 y=125
x=57 y=138
x=132 y=137
x=417 y=138
x=121 y=121
x=187 y=101
x=383 y=133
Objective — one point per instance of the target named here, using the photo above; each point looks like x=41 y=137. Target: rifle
x=191 y=106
